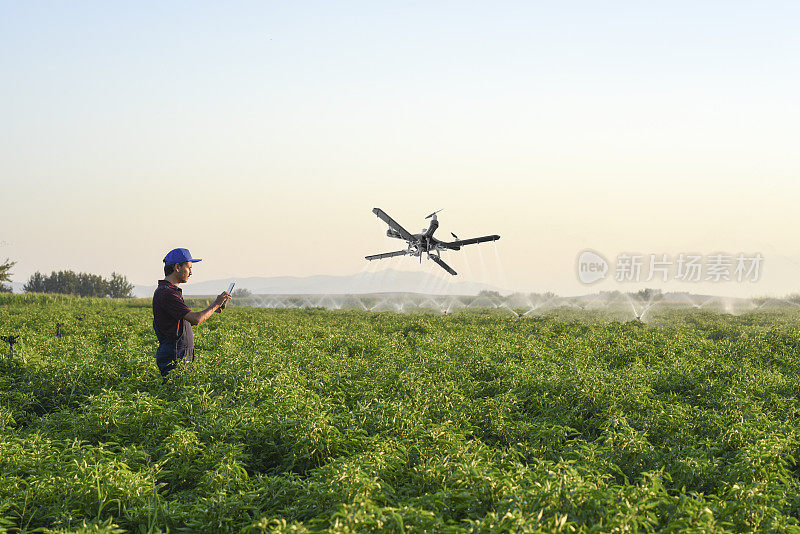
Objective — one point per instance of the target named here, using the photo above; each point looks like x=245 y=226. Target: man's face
x=184 y=271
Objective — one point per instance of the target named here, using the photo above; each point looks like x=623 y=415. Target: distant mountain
x=387 y=281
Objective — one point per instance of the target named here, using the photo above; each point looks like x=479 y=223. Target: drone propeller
x=442 y=264
x=454 y=235
x=434 y=213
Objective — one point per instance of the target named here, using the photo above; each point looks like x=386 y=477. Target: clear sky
x=260 y=134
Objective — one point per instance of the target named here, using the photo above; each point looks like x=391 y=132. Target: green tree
x=92 y=285
x=62 y=282
x=5 y=275
x=119 y=287
x=241 y=293
x=35 y=284
x=650 y=294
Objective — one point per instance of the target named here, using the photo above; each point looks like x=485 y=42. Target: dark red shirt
x=168 y=309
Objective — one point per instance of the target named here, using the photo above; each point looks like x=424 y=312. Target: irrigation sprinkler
x=638 y=307
x=10 y=340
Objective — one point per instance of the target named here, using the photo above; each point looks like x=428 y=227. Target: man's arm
x=195 y=318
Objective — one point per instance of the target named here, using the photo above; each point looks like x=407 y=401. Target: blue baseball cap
x=178 y=255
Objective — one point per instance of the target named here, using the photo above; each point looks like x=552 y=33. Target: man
x=172 y=319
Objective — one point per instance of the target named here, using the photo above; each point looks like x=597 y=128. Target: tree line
x=81 y=284
x=70 y=283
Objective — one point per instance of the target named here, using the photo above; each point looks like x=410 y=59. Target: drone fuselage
x=423 y=242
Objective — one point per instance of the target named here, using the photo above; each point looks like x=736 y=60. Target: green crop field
x=313 y=420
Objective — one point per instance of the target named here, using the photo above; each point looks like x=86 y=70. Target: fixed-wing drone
x=424 y=242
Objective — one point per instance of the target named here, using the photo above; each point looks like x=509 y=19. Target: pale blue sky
x=270 y=130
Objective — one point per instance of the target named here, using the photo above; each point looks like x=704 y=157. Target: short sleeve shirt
x=168 y=309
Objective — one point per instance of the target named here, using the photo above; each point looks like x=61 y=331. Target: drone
x=424 y=242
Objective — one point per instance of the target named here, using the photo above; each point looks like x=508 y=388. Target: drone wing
x=461 y=242
x=386 y=255
x=443 y=265
x=392 y=223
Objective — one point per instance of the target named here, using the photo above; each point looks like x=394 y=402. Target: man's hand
x=195 y=318
x=222 y=301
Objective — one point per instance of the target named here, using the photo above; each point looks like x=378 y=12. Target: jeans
x=168 y=354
